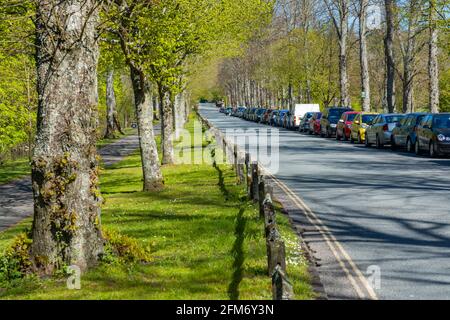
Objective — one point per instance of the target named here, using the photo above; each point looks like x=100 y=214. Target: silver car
x=379 y=131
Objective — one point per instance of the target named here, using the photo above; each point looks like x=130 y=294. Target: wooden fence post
x=261 y=195
x=276 y=251
x=281 y=287
x=255 y=182
x=240 y=167
x=248 y=174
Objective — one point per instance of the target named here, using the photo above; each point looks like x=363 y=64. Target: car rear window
x=393 y=119
x=368 y=118
x=351 y=116
x=441 y=122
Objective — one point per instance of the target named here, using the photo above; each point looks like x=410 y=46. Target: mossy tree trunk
x=111 y=128
x=153 y=178
x=66 y=226
x=167 y=131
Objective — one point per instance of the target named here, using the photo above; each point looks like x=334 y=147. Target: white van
x=299 y=112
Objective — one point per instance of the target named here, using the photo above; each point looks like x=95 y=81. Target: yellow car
x=359 y=126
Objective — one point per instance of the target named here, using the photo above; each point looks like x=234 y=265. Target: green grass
x=11 y=170
x=206 y=241
x=104 y=142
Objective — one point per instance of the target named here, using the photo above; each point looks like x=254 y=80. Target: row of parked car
x=416 y=132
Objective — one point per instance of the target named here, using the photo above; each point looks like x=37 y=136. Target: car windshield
x=368 y=118
x=335 y=113
x=394 y=119
x=441 y=121
x=351 y=116
x=308 y=115
x=319 y=116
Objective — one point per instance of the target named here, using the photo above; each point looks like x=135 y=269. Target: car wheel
x=328 y=134
x=359 y=138
x=367 y=143
x=417 y=147
x=378 y=143
x=351 y=139
x=338 y=138
x=409 y=146
x=432 y=150
x=393 y=144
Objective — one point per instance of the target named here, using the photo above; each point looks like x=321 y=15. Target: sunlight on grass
x=203 y=246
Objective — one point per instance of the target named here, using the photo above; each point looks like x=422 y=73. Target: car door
x=421 y=132
x=373 y=129
x=401 y=130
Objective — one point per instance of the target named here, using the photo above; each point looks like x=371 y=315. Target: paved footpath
x=16 y=198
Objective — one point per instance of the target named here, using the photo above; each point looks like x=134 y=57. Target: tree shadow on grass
x=222 y=186
x=238 y=254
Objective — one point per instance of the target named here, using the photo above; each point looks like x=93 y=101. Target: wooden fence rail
x=260 y=191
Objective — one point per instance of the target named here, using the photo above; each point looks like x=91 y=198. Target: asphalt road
x=385 y=211
x=16 y=198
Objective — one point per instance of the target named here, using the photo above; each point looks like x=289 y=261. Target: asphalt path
x=16 y=198
x=379 y=215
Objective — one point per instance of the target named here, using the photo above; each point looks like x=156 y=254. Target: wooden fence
x=259 y=190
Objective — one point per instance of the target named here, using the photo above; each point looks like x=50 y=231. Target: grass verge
x=205 y=238
x=11 y=170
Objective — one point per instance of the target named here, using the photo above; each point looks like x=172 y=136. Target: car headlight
x=333 y=125
x=441 y=137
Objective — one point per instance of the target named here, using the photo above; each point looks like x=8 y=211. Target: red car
x=314 y=124
x=344 y=126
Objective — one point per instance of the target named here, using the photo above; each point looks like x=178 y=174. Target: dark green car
x=433 y=135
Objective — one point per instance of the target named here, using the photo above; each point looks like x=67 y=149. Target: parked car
x=304 y=123
x=259 y=115
x=222 y=109
x=330 y=118
x=273 y=117
x=380 y=131
x=359 y=126
x=300 y=110
x=267 y=116
x=433 y=135
x=228 y=111
x=344 y=125
x=251 y=114
x=405 y=133
x=314 y=124
x=280 y=118
x=285 y=119
x=240 y=111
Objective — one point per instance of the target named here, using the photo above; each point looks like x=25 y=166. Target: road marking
x=332 y=242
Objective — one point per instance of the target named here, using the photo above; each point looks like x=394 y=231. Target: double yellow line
x=358 y=281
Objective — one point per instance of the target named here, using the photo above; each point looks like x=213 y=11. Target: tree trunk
x=166 y=102
x=343 y=75
x=155 y=107
x=153 y=179
x=433 y=69
x=365 y=77
x=389 y=56
x=66 y=227
x=110 y=106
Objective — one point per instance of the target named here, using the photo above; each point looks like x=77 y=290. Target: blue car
x=280 y=117
x=405 y=132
